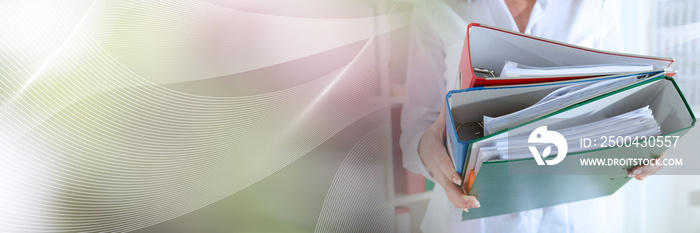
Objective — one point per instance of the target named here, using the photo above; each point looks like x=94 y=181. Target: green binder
x=509 y=186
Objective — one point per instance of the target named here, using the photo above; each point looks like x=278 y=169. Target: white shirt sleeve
x=425 y=84
x=611 y=37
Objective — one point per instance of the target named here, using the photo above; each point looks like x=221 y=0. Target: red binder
x=488 y=48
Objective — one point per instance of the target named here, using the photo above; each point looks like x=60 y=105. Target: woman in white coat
x=437 y=37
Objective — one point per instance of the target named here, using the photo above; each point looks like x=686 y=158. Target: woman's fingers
x=451 y=179
x=457 y=197
x=644 y=171
x=448 y=170
x=432 y=151
x=451 y=182
x=473 y=203
x=444 y=173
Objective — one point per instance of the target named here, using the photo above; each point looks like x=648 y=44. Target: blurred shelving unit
x=403 y=189
x=675 y=30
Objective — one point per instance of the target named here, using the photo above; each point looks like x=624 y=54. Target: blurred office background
x=250 y=116
x=668 y=28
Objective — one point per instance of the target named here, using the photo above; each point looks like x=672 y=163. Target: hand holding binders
x=497 y=183
x=571 y=103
